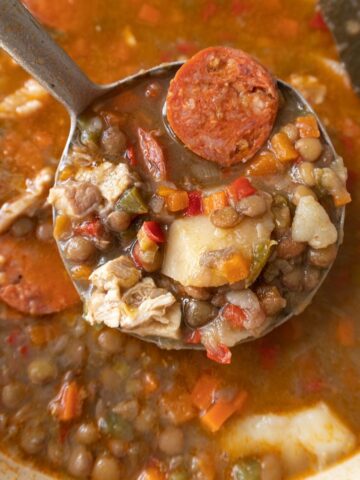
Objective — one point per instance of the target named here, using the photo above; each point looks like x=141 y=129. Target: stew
x=86 y=401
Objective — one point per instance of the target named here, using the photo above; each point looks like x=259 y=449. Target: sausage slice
x=35 y=281
x=222 y=105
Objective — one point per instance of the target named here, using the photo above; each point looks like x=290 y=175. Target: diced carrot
x=149 y=14
x=164 y=191
x=177 y=406
x=67 y=405
x=235 y=268
x=43 y=333
x=345 y=332
x=81 y=272
x=215 y=201
x=177 y=201
x=151 y=383
x=62 y=226
x=308 y=126
x=342 y=198
x=234 y=315
x=151 y=473
x=217 y=415
x=263 y=164
x=204 y=390
x=283 y=148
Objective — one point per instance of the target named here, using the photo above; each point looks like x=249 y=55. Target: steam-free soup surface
x=94 y=403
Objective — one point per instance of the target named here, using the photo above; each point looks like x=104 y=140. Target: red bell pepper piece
x=92 y=228
x=240 y=188
x=195 y=204
x=154 y=232
x=234 y=315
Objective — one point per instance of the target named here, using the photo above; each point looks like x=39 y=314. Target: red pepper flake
x=318 y=23
x=193 y=337
x=268 y=356
x=220 y=354
x=209 y=10
x=131 y=156
x=92 y=228
x=149 y=14
x=195 y=204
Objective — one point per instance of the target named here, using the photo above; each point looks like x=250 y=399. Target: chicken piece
x=190 y=238
x=144 y=309
x=315 y=437
x=34 y=279
x=75 y=200
x=121 y=272
x=24 y=101
x=155 y=311
x=112 y=180
x=28 y=201
x=312 y=224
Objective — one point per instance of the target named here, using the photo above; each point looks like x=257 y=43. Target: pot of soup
x=82 y=396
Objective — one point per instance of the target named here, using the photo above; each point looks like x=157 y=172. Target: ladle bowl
x=30 y=45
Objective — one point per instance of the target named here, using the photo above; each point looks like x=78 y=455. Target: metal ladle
x=29 y=44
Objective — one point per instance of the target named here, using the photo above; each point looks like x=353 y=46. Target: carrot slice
x=67 y=405
x=202 y=395
x=217 y=415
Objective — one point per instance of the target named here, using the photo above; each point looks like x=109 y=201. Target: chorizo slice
x=222 y=105
x=34 y=279
x=153 y=155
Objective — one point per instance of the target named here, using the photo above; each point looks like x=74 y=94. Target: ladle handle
x=29 y=44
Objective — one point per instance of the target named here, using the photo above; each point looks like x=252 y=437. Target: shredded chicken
x=24 y=101
x=75 y=200
x=153 y=315
x=143 y=309
x=112 y=180
x=312 y=224
x=28 y=201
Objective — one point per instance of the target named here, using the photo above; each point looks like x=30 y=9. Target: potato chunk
x=192 y=237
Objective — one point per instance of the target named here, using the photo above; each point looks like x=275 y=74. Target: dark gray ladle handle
x=29 y=44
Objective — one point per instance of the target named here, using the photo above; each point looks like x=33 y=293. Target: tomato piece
x=193 y=338
x=195 y=204
x=154 y=231
x=153 y=155
x=92 y=228
x=220 y=354
x=240 y=188
x=233 y=314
